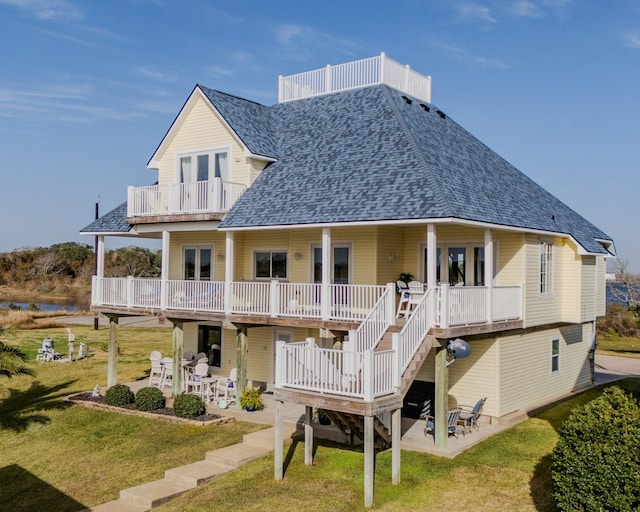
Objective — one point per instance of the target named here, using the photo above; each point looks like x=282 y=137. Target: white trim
x=556 y=356
x=349 y=244
x=449 y=220
x=195 y=153
x=197 y=264
x=255 y=250
x=209 y=225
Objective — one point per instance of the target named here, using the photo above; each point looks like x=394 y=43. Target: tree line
x=46 y=270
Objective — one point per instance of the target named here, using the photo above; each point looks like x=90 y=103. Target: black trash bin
x=417 y=402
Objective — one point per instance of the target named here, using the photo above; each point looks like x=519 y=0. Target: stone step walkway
x=180 y=480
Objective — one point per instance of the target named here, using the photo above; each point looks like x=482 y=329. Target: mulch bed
x=167 y=413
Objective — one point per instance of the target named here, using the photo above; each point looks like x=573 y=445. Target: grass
x=66 y=458
x=626 y=346
x=509 y=471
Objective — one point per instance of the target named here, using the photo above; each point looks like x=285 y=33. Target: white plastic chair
x=403 y=288
x=195 y=381
x=226 y=386
x=157 y=369
x=416 y=292
x=167 y=373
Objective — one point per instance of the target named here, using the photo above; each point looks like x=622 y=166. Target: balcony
x=212 y=196
x=448 y=306
x=352 y=75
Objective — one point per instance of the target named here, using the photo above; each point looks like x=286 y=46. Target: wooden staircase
x=353 y=424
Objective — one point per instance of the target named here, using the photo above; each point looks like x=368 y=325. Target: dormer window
x=203 y=166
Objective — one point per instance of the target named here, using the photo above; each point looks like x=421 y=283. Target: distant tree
x=132 y=261
x=627 y=288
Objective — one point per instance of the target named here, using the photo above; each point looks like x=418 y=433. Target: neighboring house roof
x=369 y=155
x=113 y=222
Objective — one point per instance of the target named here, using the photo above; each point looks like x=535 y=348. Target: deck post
x=369 y=461
x=278 y=461
x=327 y=265
x=164 y=270
x=396 y=431
x=308 y=435
x=228 y=272
x=241 y=353
x=441 y=405
x=178 y=348
x=488 y=271
x=112 y=372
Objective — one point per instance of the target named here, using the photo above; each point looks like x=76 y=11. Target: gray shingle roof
x=369 y=155
x=113 y=222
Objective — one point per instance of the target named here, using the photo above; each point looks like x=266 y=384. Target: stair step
x=265 y=437
x=238 y=454
x=117 y=506
x=153 y=494
x=197 y=473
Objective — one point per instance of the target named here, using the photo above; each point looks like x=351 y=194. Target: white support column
x=326 y=273
x=228 y=272
x=444 y=305
x=369 y=461
x=391 y=304
x=396 y=431
x=280 y=363
x=488 y=271
x=278 y=444
x=431 y=256
x=308 y=435
x=100 y=257
x=164 y=270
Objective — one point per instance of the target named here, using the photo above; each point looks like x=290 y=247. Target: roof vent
x=441 y=114
x=424 y=107
x=407 y=100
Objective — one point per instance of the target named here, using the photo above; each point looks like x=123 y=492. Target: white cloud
x=218 y=71
x=475 y=12
x=526 y=9
x=47 y=10
x=470 y=58
x=302 y=41
x=632 y=39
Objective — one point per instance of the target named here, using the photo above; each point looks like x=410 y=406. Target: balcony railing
x=352 y=75
x=212 y=196
x=446 y=307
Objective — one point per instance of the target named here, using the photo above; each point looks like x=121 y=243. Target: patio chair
x=195 y=382
x=452 y=424
x=416 y=292
x=157 y=369
x=470 y=415
x=225 y=388
x=403 y=288
x=167 y=373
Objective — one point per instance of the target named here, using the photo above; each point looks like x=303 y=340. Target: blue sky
x=88 y=90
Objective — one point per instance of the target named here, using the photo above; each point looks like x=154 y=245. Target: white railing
x=415 y=330
x=352 y=75
x=195 y=295
x=300 y=300
x=214 y=195
x=305 y=366
x=250 y=297
x=466 y=305
x=353 y=302
x=373 y=327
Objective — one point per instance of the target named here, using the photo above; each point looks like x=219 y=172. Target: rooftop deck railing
x=212 y=196
x=353 y=75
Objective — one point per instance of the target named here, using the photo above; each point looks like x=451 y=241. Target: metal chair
x=452 y=424
x=470 y=415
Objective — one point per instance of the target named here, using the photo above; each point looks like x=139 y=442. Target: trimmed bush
x=119 y=395
x=188 y=406
x=149 y=399
x=595 y=463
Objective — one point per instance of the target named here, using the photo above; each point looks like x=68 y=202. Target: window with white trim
x=546 y=267
x=197 y=263
x=270 y=264
x=203 y=166
x=555 y=355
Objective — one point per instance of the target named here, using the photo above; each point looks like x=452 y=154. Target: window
x=340 y=271
x=271 y=265
x=210 y=342
x=555 y=355
x=546 y=267
x=197 y=166
x=197 y=263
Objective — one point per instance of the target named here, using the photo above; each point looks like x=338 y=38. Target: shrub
x=251 y=399
x=149 y=399
x=188 y=406
x=595 y=463
x=119 y=395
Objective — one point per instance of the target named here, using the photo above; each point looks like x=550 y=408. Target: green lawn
x=61 y=457
x=64 y=458
x=624 y=346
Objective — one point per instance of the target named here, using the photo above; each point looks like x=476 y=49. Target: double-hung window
x=555 y=355
x=546 y=267
x=270 y=264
